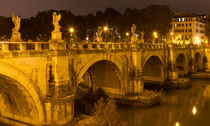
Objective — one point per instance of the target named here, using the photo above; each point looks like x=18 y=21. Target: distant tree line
x=38 y=28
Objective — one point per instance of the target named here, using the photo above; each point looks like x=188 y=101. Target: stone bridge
x=39 y=79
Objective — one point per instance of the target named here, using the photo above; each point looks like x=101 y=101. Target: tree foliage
x=39 y=28
x=105 y=113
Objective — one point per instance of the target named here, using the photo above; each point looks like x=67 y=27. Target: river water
x=180 y=107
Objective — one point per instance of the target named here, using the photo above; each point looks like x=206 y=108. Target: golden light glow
x=197 y=40
x=71 y=30
x=127 y=34
x=177 y=124
x=172 y=33
x=155 y=34
x=180 y=36
x=194 y=110
x=105 y=28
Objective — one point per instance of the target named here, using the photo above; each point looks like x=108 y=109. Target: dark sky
x=28 y=8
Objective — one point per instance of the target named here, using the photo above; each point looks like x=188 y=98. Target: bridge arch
x=22 y=91
x=95 y=59
x=102 y=69
x=153 y=69
x=181 y=63
x=198 y=61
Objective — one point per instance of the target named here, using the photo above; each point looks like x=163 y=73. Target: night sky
x=28 y=8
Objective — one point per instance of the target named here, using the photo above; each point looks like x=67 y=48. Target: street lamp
x=105 y=28
x=155 y=34
x=105 y=34
x=71 y=30
x=127 y=34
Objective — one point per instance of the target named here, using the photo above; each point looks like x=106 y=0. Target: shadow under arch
x=25 y=88
x=103 y=74
x=94 y=59
x=181 y=64
x=153 y=70
x=198 y=62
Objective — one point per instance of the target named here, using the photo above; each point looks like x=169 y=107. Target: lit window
x=182 y=19
x=175 y=25
x=179 y=19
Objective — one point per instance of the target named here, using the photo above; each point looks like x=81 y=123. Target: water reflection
x=194 y=110
x=177 y=124
x=177 y=107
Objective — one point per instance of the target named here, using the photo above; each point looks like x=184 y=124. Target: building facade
x=189 y=29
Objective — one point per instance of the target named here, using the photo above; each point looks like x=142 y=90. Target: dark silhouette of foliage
x=39 y=28
x=105 y=114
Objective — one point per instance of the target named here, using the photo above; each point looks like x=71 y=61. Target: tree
x=105 y=113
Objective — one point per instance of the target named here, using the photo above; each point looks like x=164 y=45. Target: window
x=196 y=30
x=182 y=25
x=186 y=24
x=185 y=30
x=175 y=25
x=182 y=19
x=186 y=37
x=179 y=19
x=190 y=30
x=190 y=24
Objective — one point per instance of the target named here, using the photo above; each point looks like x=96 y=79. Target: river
x=180 y=107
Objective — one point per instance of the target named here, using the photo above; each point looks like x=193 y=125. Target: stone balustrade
x=39 y=46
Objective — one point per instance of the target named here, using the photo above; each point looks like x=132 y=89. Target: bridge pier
x=135 y=79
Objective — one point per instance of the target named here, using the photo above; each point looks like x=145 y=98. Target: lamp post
x=127 y=36
x=71 y=30
x=105 y=34
x=155 y=35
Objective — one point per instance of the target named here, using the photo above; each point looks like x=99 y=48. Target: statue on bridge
x=56 y=34
x=133 y=32
x=56 y=19
x=100 y=31
x=142 y=37
x=16 y=36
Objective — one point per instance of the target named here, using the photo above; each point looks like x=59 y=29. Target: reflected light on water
x=194 y=110
x=177 y=124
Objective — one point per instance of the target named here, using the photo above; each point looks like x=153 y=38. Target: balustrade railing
x=23 y=46
x=39 y=46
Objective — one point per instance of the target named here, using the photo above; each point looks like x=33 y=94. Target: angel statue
x=16 y=20
x=133 y=32
x=133 y=29
x=56 y=19
x=100 y=31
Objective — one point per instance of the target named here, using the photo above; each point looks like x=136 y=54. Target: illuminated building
x=189 y=29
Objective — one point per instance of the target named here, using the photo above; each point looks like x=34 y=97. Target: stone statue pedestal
x=99 y=39
x=57 y=45
x=56 y=36
x=141 y=41
x=16 y=36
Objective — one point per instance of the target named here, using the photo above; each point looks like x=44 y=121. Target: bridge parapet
x=115 y=46
x=23 y=46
